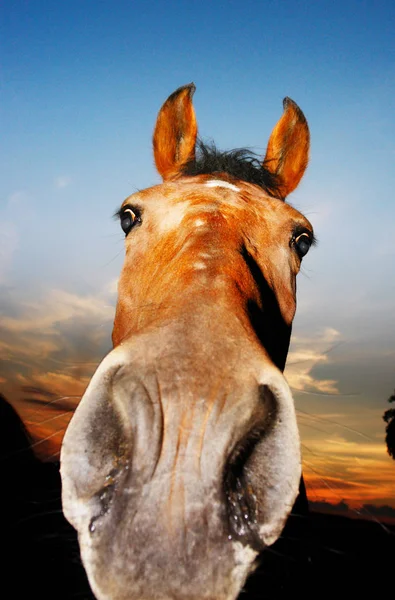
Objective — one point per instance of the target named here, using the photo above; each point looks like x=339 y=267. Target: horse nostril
x=241 y=500
x=242 y=511
x=242 y=504
x=251 y=481
x=92 y=526
x=104 y=497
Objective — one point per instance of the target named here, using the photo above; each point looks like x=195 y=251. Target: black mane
x=240 y=164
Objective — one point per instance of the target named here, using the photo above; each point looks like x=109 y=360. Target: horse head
x=182 y=460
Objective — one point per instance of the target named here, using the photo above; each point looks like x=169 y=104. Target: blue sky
x=82 y=83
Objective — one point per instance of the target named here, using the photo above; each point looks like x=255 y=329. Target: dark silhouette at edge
x=389 y=418
x=40 y=555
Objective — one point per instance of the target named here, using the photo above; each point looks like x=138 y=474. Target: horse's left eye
x=302 y=244
x=128 y=219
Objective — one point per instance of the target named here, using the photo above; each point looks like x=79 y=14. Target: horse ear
x=175 y=133
x=287 y=152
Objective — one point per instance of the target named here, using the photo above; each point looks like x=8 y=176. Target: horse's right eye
x=128 y=219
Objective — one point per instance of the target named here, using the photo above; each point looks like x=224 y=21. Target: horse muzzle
x=176 y=481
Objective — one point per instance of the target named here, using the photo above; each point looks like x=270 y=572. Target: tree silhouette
x=389 y=418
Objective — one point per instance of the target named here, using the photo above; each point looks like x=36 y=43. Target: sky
x=82 y=83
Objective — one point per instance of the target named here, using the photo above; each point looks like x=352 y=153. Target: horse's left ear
x=287 y=152
x=175 y=133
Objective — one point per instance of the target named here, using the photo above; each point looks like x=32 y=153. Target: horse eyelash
x=133 y=207
x=300 y=230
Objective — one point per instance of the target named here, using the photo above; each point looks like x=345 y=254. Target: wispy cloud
x=55 y=334
x=17 y=198
x=62 y=181
x=356 y=481
x=9 y=244
x=305 y=355
x=8 y=231
x=341 y=460
x=53 y=343
x=344 y=463
x=44 y=316
x=112 y=287
x=59 y=383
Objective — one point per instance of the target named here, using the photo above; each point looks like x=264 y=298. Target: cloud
x=17 y=198
x=62 y=181
x=337 y=468
x=112 y=287
x=9 y=234
x=59 y=383
x=307 y=353
x=9 y=244
x=63 y=334
x=25 y=346
x=52 y=343
x=43 y=317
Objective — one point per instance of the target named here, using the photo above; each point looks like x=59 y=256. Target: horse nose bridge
x=180 y=429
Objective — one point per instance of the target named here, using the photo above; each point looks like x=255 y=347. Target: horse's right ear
x=175 y=133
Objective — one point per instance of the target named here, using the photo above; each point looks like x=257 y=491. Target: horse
x=182 y=461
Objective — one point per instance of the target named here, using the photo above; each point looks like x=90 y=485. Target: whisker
x=54 y=455
x=325 y=394
x=356 y=511
x=345 y=427
x=36 y=516
x=48 y=420
x=375 y=519
x=311 y=427
x=29 y=389
x=273 y=551
x=74 y=363
x=113 y=258
x=52 y=402
x=317 y=455
x=49 y=437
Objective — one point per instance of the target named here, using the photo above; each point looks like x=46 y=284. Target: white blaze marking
x=200 y=265
x=223 y=184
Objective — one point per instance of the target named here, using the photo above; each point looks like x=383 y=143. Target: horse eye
x=128 y=219
x=302 y=244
